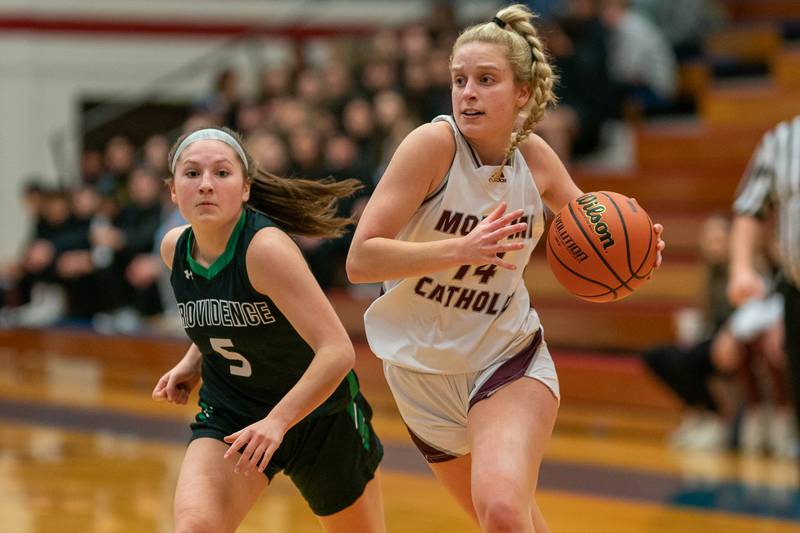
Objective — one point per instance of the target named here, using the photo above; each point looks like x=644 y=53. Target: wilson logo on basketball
x=594 y=214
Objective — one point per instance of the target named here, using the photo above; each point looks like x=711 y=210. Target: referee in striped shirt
x=770 y=189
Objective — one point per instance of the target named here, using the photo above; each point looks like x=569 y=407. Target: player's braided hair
x=298 y=206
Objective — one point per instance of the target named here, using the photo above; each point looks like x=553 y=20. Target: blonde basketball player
x=449 y=231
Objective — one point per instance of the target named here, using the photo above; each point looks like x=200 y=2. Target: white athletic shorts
x=435 y=406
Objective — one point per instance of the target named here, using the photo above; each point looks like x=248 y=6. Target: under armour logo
x=188 y=273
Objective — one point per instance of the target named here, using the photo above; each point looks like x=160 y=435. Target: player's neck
x=210 y=241
x=490 y=151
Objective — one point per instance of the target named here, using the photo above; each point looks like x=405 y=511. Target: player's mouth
x=471 y=113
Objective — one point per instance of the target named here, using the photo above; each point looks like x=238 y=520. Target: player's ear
x=246 y=190
x=523 y=95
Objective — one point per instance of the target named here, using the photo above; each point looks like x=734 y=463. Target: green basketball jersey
x=252 y=355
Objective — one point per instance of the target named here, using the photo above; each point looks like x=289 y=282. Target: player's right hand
x=488 y=238
x=176 y=385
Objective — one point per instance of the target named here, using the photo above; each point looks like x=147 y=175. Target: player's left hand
x=257 y=442
x=659 y=229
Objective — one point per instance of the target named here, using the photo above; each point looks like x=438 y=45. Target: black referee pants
x=791 y=297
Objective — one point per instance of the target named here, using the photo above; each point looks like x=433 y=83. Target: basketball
x=601 y=246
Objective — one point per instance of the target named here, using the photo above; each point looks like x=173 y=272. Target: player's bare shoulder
x=169 y=242
x=432 y=142
x=270 y=250
x=537 y=153
x=426 y=153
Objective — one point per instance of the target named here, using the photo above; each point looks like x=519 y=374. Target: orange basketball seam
x=624 y=230
x=649 y=246
x=610 y=290
x=577 y=274
x=582 y=230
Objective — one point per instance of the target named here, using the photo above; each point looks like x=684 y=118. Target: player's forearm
x=193 y=357
x=380 y=259
x=326 y=371
x=744 y=242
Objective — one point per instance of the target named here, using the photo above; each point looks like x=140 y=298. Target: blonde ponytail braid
x=541 y=79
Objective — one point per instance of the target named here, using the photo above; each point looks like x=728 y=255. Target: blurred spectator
x=91 y=166
x=269 y=152
x=287 y=114
x=118 y=161
x=685 y=23
x=752 y=348
x=385 y=46
x=305 y=153
x=200 y=119
x=377 y=76
x=416 y=85
x=687 y=367
x=742 y=343
x=338 y=84
x=641 y=60
x=398 y=132
x=139 y=221
x=224 y=99
x=359 y=123
x=577 y=42
x=275 y=81
x=390 y=106
x=442 y=23
x=77 y=266
x=249 y=118
x=15 y=280
x=309 y=87
x=155 y=154
x=415 y=42
x=547 y=9
x=439 y=100
x=326 y=256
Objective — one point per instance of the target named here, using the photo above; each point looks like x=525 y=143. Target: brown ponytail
x=298 y=206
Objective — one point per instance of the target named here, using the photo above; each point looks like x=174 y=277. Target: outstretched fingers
x=506 y=231
x=497 y=260
x=254 y=453
x=497 y=213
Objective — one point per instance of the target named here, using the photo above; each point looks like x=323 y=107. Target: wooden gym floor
x=84 y=449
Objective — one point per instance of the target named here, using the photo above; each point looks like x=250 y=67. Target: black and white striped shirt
x=772 y=183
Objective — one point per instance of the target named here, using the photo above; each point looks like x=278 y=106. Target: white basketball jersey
x=462 y=319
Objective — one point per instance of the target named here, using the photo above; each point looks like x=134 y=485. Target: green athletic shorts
x=329 y=458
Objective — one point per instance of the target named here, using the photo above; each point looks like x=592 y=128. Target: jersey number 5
x=243 y=369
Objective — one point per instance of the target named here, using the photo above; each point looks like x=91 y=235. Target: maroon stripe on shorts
x=509 y=371
x=431 y=454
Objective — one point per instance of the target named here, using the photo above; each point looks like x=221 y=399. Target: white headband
x=209 y=134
